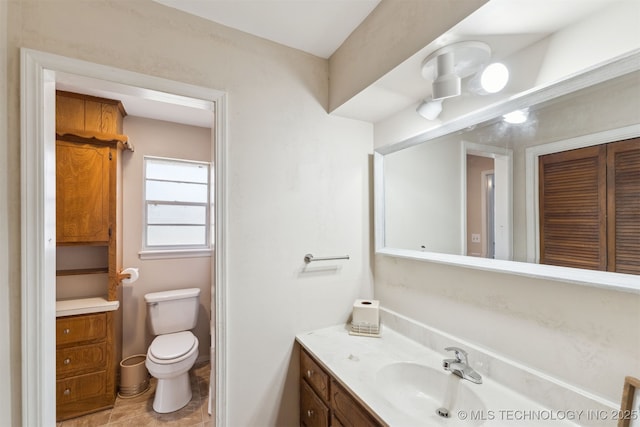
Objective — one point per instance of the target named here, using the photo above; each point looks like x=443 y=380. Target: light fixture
x=430 y=109
x=494 y=77
x=447 y=82
x=447 y=66
x=516 y=117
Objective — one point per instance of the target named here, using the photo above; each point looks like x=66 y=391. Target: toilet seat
x=172 y=348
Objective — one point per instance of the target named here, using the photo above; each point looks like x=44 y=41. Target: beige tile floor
x=138 y=411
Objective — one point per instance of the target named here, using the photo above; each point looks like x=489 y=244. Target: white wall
x=423 y=197
x=298 y=180
x=160 y=139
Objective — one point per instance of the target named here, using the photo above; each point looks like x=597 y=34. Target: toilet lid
x=171 y=346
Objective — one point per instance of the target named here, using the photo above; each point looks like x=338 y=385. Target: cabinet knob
x=67 y=392
x=66 y=331
x=309 y=373
x=310 y=413
x=66 y=361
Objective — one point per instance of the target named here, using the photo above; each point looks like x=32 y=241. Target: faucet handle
x=460 y=354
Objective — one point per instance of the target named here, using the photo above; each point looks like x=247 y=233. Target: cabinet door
x=82 y=193
x=349 y=412
x=623 y=206
x=313 y=412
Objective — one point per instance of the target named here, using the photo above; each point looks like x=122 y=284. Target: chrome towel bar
x=309 y=258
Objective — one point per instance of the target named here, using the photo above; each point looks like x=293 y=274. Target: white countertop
x=356 y=360
x=70 y=307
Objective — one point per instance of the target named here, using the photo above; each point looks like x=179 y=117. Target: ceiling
x=319 y=27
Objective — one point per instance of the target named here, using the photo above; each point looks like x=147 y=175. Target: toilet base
x=172 y=393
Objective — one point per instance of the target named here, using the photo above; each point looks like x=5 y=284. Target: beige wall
x=161 y=139
x=298 y=181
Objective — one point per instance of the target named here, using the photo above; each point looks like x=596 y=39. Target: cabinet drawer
x=80 y=359
x=89 y=327
x=348 y=410
x=314 y=375
x=313 y=412
x=81 y=387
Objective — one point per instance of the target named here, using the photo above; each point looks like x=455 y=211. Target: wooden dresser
x=89 y=143
x=325 y=402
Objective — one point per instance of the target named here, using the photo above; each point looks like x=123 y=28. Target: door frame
x=38 y=227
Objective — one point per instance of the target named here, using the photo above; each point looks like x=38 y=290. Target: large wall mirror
x=490 y=191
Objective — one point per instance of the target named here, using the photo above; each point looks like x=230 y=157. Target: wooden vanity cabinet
x=325 y=402
x=85 y=380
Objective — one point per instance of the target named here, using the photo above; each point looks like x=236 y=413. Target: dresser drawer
x=313 y=412
x=73 y=329
x=81 y=387
x=314 y=375
x=84 y=358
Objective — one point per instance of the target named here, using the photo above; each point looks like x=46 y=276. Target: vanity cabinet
x=325 y=402
x=85 y=380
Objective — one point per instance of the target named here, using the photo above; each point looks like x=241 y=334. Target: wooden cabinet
x=88 y=213
x=325 y=402
x=82 y=193
x=84 y=375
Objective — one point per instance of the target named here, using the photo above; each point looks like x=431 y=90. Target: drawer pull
x=66 y=361
x=310 y=413
x=67 y=392
x=309 y=373
x=66 y=331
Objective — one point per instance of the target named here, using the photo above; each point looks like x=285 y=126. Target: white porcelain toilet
x=174 y=350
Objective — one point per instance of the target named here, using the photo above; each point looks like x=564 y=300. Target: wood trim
x=91 y=137
x=631 y=384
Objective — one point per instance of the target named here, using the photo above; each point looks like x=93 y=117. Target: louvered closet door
x=623 y=200
x=573 y=206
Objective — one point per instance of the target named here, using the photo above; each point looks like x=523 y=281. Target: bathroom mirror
x=466 y=192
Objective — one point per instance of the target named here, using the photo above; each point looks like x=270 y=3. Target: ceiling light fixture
x=447 y=66
x=430 y=109
x=494 y=77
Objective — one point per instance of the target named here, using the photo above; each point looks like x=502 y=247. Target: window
x=177 y=208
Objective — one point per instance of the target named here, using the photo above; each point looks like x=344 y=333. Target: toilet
x=172 y=314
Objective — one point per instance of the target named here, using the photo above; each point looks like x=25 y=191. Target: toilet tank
x=173 y=311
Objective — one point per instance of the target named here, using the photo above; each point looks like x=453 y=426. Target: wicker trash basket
x=134 y=377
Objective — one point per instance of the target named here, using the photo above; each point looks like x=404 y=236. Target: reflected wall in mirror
x=474 y=190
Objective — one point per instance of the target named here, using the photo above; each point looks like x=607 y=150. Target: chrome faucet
x=460 y=366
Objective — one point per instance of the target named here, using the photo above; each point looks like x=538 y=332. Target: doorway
x=488 y=201
x=40 y=73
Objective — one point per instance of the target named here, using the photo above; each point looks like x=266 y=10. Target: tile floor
x=138 y=411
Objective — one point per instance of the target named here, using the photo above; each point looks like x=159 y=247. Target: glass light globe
x=494 y=77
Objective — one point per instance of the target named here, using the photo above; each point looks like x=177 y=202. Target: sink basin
x=420 y=391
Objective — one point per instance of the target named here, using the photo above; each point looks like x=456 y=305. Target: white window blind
x=177 y=205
